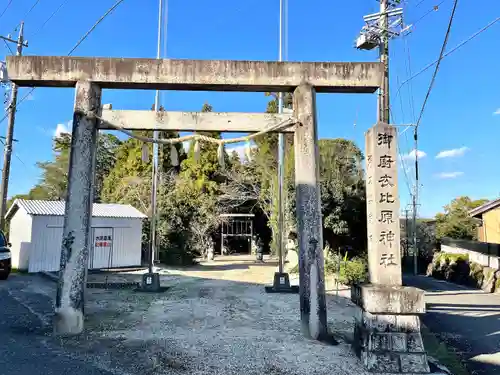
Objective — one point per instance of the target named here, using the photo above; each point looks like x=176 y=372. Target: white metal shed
x=36 y=230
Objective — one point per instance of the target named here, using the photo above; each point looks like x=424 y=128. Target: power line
x=441 y=54
x=6 y=8
x=27 y=14
x=71 y=51
x=17 y=157
x=7 y=45
x=450 y=51
x=29 y=11
x=95 y=25
x=435 y=8
x=49 y=18
x=403 y=163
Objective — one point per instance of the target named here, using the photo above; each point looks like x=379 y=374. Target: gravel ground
x=215 y=319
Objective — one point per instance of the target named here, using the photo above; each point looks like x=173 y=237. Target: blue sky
x=459 y=119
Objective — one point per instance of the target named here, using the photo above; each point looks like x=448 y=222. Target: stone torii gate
x=91 y=75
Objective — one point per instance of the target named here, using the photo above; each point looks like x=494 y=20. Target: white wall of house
x=44 y=237
x=20 y=239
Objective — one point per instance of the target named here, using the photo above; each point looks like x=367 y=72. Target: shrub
x=332 y=262
x=353 y=271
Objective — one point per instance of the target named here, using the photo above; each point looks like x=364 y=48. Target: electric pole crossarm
x=24 y=43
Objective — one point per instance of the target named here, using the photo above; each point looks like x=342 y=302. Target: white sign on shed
x=36 y=230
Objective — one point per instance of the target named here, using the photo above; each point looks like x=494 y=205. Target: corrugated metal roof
x=56 y=208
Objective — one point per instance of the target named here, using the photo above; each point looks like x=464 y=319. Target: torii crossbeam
x=92 y=74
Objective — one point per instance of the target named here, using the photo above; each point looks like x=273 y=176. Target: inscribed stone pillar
x=309 y=221
x=387 y=334
x=69 y=307
x=384 y=256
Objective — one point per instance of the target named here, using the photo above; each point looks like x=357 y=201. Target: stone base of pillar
x=151 y=282
x=387 y=335
x=67 y=321
x=281 y=284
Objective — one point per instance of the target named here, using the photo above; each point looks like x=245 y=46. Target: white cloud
x=497 y=112
x=453 y=153
x=63 y=128
x=411 y=155
x=450 y=174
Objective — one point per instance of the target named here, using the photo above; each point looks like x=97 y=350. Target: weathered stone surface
x=68 y=317
x=206 y=75
x=309 y=219
x=497 y=282
x=399 y=342
x=414 y=363
x=408 y=323
x=388 y=299
x=192 y=121
x=388 y=343
x=414 y=343
x=379 y=342
x=488 y=283
x=382 y=204
x=385 y=363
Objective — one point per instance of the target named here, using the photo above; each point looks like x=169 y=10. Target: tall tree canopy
x=455 y=222
x=203 y=169
x=54 y=174
x=192 y=195
x=342 y=194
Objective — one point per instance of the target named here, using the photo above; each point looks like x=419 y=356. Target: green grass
x=444 y=355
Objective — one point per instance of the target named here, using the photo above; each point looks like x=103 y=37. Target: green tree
x=264 y=164
x=455 y=222
x=53 y=183
x=130 y=178
x=343 y=195
x=203 y=169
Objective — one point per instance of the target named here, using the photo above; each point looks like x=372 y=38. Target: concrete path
x=26 y=347
x=466 y=319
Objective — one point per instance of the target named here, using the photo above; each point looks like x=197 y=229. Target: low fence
x=483 y=253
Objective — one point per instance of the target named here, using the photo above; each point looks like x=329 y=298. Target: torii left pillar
x=68 y=318
x=309 y=221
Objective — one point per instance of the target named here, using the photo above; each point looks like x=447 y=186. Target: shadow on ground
x=208 y=326
x=466 y=319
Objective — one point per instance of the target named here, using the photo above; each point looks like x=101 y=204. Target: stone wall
x=458 y=268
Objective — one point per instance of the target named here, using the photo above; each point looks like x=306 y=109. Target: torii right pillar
x=387 y=334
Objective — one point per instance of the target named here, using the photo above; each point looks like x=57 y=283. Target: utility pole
x=415 y=204
x=383 y=94
x=378 y=30
x=281 y=157
x=151 y=280
x=407 y=233
x=10 y=131
x=154 y=182
x=281 y=282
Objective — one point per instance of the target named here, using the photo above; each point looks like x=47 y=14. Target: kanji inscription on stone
x=384 y=256
x=387 y=260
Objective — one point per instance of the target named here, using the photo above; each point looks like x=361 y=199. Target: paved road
x=26 y=347
x=467 y=319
